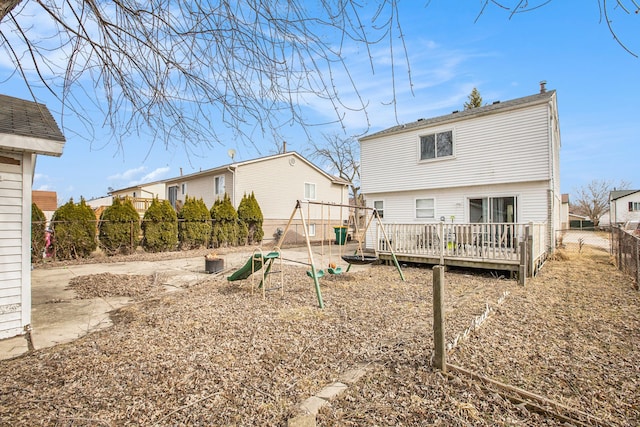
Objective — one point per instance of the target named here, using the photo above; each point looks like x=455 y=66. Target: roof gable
x=618 y=194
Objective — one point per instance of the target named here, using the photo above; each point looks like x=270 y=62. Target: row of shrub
x=119 y=230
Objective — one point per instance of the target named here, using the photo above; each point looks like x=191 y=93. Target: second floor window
x=634 y=206
x=218 y=186
x=309 y=191
x=436 y=145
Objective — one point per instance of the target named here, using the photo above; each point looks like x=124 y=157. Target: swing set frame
x=357 y=258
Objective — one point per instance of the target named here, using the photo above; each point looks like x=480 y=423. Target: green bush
x=38 y=233
x=74 y=228
x=225 y=223
x=119 y=228
x=160 y=227
x=194 y=225
x=250 y=215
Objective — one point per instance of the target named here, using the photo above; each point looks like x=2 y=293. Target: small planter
x=213 y=265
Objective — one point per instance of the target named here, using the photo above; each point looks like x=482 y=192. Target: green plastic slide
x=252 y=265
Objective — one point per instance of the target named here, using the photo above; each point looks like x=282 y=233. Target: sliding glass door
x=492 y=209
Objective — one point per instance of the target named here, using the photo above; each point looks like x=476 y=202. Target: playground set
x=264 y=262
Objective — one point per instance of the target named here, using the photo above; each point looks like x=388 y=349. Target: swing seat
x=319 y=273
x=336 y=270
x=360 y=259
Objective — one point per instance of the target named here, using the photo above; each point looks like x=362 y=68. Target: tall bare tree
x=340 y=156
x=184 y=70
x=592 y=200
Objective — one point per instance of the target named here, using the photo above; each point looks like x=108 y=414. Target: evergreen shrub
x=160 y=227
x=119 y=228
x=194 y=225
x=225 y=223
x=250 y=216
x=74 y=228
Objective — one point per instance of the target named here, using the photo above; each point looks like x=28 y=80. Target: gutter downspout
x=232 y=169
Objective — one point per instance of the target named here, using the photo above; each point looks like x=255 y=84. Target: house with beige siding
x=26 y=130
x=277 y=182
x=484 y=173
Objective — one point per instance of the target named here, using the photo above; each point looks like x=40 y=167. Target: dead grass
x=216 y=354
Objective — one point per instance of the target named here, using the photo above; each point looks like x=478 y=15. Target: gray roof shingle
x=467 y=114
x=28 y=118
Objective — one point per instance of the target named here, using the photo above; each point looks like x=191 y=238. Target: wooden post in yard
x=440 y=353
x=522 y=268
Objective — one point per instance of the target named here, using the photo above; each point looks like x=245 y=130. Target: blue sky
x=451 y=50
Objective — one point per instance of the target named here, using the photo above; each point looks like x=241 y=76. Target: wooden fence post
x=524 y=260
x=440 y=353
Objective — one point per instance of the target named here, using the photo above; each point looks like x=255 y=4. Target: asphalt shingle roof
x=27 y=118
x=466 y=114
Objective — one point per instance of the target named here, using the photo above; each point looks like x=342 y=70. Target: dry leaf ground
x=218 y=354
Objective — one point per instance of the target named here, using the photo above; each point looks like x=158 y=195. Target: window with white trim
x=218 y=186
x=436 y=145
x=312 y=230
x=184 y=188
x=425 y=208
x=378 y=205
x=634 y=206
x=309 y=191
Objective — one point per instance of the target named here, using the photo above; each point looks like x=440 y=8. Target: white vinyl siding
x=512 y=146
x=400 y=207
x=15 y=243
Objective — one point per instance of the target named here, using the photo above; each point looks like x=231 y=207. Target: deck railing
x=140 y=203
x=495 y=241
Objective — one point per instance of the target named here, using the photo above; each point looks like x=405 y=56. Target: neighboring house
x=624 y=206
x=497 y=164
x=277 y=182
x=26 y=130
x=142 y=194
x=47 y=201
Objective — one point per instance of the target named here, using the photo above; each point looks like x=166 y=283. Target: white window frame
x=312 y=229
x=634 y=206
x=218 y=188
x=380 y=211
x=307 y=194
x=183 y=188
x=433 y=208
x=435 y=152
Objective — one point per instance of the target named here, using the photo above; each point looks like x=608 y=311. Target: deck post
x=440 y=354
x=442 y=242
x=522 y=269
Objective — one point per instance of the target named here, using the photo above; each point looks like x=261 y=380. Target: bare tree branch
x=184 y=71
x=592 y=200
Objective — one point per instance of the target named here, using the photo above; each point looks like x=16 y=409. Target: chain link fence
x=625 y=247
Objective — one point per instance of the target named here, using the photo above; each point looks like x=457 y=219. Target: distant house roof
x=45 y=200
x=334 y=179
x=565 y=198
x=617 y=194
x=29 y=126
x=497 y=106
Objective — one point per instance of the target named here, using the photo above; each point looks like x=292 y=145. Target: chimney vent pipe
x=543 y=86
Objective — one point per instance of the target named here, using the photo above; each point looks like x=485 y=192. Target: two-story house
x=277 y=182
x=497 y=164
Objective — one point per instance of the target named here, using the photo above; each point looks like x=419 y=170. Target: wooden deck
x=498 y=246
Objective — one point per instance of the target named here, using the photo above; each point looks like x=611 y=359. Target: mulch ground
x=219 y=354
